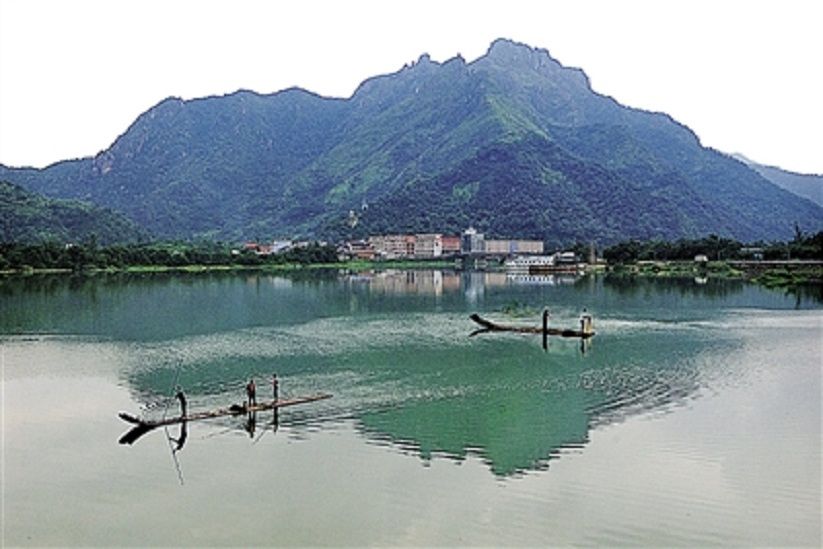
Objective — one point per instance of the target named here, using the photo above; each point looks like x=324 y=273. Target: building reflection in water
x=472 y=284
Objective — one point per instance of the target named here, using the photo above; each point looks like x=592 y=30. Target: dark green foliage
x=529 y=188
x=714 y=248
x=803 y=246
x=514 y=143
x=87 y=255
x=29 y=217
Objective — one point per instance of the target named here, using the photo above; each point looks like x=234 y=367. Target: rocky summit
x=513 y=143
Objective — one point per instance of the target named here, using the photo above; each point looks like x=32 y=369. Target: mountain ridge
x=294 y=162
x=802 y=184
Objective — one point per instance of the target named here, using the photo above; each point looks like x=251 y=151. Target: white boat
x=526 y=263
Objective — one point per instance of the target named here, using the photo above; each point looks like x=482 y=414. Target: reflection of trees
x=806 y=292
x=634 y=286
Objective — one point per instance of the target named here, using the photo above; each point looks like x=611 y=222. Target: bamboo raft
x=142 y=426
x=489 y=326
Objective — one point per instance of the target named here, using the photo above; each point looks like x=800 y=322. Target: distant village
x=419 y=246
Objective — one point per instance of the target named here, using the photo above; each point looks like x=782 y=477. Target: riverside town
x=471 y=248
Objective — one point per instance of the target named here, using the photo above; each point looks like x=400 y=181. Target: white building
x=428 y=245
x=472 y=242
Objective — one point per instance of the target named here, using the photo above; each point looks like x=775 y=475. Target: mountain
x=513 y=143
x=806 y=185
x=29 y=217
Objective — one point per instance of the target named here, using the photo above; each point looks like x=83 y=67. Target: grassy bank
x=783 y=278
x=262 y=267
x=716 y=269
x=772 y=276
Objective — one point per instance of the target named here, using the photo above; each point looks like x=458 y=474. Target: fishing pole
x=166 y=427
x=174 y=456
x=174 y=385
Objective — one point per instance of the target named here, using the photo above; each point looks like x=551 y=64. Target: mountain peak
x=521 y=62
x=507 y=44
x=511 y=50
x=431 y=147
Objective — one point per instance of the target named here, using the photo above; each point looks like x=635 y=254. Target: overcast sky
x=74 y=74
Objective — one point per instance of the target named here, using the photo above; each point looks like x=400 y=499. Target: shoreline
x=771 y=274
x=768 y=274
x=203 y=268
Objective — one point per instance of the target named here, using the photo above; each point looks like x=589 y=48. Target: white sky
x=745 y=75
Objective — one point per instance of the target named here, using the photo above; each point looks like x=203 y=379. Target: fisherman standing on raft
x=182 y=398
x=251 y=391
x=586 y=323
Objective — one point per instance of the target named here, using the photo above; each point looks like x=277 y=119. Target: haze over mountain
x=512 y=143
x=806 y=185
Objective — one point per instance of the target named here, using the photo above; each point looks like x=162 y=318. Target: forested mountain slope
x=513 y=143
x=27 y=217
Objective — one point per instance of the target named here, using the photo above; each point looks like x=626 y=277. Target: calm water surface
x=693 y=417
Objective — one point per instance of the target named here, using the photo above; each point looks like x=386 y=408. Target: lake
x=692 y=417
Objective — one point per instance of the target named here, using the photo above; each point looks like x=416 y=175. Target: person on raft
x=251 y=395
x=182 y=398
x=274 y=386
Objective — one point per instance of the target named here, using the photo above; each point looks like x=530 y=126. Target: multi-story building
x=359 y=249
x=472 y=242
x=393 y=246
x=428 y=245
x=529 y=246
x=497 y=247
x=450 y=245
x=511 y=247
x=410 y=242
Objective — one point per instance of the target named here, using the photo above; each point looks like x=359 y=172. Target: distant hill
x=513 y=143
x=805 y=185
x=27 y=217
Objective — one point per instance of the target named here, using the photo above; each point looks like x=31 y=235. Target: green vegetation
x=29 y=217
x=677 y=269
x=513 y=143
x=730 y=259
x=52 y=256
x=788 y=278
x=152 y=257
x=802 y=246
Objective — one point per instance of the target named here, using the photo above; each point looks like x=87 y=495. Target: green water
x=693 y=417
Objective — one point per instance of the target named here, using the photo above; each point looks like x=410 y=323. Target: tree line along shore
x=778 y=263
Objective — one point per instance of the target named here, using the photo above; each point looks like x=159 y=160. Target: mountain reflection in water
x=696 y=406
x=393 y=347
x=519 y=412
